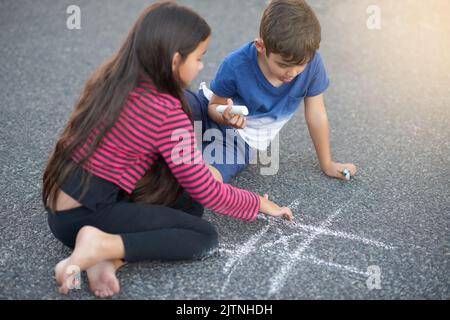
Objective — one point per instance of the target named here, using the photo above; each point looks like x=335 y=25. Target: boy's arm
x=225 y=118
x=318 y=126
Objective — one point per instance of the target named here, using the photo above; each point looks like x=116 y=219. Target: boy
x=271 y=76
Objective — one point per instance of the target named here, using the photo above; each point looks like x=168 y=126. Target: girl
x=114 y=188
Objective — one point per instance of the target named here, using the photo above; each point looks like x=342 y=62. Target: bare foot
x=102 y=278
x=72 y=274
x=92 y=247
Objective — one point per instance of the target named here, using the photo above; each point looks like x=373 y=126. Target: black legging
x=149 y=232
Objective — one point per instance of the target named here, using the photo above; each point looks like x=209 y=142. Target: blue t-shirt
x=241 y=79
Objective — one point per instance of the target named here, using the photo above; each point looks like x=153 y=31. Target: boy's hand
x=335 y=170
x=233 y=120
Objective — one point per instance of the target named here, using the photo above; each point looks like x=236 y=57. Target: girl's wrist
x=266 y=205
x=263 y=204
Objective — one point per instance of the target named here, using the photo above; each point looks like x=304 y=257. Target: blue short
x=237 y=154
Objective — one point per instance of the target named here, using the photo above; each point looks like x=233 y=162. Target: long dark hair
x=162 y=30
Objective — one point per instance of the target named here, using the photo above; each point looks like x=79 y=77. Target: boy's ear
x=259 y=44
x=176 y=61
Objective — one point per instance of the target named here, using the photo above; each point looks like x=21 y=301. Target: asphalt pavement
x=383 y=235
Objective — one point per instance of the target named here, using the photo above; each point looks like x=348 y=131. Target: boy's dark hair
x=290 y=28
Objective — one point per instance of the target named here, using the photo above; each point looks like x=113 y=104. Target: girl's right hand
x=272 y=209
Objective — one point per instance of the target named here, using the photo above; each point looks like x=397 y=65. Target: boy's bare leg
x=215 y=173
x=92 y=247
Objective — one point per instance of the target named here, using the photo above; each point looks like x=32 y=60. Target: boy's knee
x=229 y=171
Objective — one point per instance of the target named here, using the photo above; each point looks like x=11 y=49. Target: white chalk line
x=279 y=279
x=345 y=235
x=307 y=258
x=314 y=259
x=247 y=247
x=325 y=231
x=226 y=251
x=338 y=234
x=293 y=206
x=241 y=253
x=298 y=255
x=282 y=239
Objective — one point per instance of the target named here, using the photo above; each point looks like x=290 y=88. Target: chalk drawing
x=278 y=280
x=237 y=253
x=240 y=253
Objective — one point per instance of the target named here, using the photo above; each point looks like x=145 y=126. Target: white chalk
x=237 y=109
x=347 y=174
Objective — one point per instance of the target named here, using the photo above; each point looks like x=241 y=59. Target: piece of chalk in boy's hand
x=346 y=174
x=237 y=109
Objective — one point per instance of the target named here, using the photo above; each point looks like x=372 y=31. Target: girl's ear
x=259 y=44
x=176 y=61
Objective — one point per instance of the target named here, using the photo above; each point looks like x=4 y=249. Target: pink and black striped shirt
x=151 y=124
